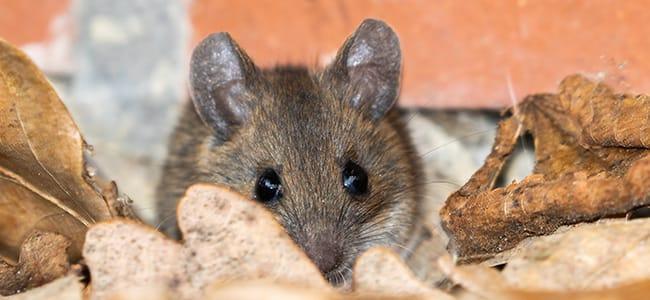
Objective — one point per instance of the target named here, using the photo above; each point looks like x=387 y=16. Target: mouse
x=324 y=149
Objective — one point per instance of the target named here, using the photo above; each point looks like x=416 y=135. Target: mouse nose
x=325 y=253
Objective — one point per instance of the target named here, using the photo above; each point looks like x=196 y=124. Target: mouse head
x=322 y=150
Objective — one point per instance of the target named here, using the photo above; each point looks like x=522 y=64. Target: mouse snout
x=325 y=252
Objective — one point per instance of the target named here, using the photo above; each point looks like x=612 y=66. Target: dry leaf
x=591 y=162
x=122 y=255
x=481 y=282
x=43 y=258
x=273 y=290
x=64 y=288
x=43 y=181
x=586 y=256
x=229 y=242
x=146 y=292
x=244 y=235
x=254 y=290
x=226 y=238
x=381 y=271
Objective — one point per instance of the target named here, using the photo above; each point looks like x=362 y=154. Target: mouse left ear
x=366 y=71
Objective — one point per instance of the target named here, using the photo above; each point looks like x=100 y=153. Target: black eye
x=269 y=187
x=355 y=179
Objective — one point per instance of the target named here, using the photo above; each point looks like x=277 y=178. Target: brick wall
x=457 y=53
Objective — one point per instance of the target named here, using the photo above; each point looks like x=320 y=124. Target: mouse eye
x=355 y=179
x=268 y=187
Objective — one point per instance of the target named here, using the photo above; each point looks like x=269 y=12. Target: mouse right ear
x=222 y=81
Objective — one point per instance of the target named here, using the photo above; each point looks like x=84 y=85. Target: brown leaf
x=43 y=258
x=229 y=244
x=68 y=288
x=43 y=182
x=254 y=290
x=149 y=292
x=249 y=242
x=381 y=271
x=588 y=166
x=226 y=238
x=122 y=255
x=586 y=256
x=482 y=282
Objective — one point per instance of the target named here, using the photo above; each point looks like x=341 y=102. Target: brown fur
x=303 y=128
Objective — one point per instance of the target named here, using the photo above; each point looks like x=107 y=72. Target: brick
x=28 y=21
x=457 y=53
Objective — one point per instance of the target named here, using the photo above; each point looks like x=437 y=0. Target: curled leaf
x=591 y=162
x=43 y=181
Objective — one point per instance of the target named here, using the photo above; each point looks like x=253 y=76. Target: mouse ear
x=366 y=71
x=222 y=81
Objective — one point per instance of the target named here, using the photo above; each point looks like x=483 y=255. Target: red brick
x=28 y=21
x=457 y=53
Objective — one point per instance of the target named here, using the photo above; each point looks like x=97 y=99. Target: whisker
x=443 y=182
x=515 y=108
x=407 y=251
x=164 y=220
x=412 y=115
x=460 y=138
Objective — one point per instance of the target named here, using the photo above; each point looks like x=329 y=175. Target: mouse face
x=321 y=150
x=338 y=181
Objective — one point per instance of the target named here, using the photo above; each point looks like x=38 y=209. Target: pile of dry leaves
x=66 y=234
